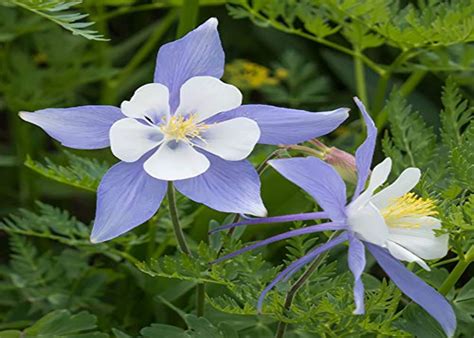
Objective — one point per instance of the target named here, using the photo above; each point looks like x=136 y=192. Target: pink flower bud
x=343 y=162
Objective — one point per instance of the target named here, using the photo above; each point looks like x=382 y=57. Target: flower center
x=183 y=128
x=404 y=211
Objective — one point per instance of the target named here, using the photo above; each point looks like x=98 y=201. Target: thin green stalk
x=407 y=87
x=178 y=231
x=380 y=93
x=276 y=24
x=306 y=150
x=110 y=92
x=413 y=80
x=188 y=17
x=281 y=328
x=457 y=272
x=200 y=298
x=359 y=74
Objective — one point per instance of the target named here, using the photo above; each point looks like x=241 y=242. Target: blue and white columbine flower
x=187 y=127
x=393 y=224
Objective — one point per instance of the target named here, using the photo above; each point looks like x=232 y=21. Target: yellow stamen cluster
x=403 y=211
x=183 y=128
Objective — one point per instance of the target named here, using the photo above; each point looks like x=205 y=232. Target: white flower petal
x=422 y=241
x=150 y=100
x=403 y=254
x=368 y=223
x=130 y=139
x=176 y=161
x=232 y=140
x=378 y=177
x=407 y=180
x=206 y=96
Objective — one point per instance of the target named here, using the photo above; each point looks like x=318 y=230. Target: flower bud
x=343 y=162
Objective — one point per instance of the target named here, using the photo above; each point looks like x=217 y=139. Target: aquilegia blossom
x=394 y=224
x=187 y=127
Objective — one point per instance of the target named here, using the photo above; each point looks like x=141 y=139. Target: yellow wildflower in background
x=249 y=75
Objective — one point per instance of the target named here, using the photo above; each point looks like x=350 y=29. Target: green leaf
x=58 y=11
x=456 y=114
x=61 y=323
x=419 y=323
x=411 y=143
x=163 y=331
x=464 y=306
x=80 y=172
x=201 y=327
x=462 y=159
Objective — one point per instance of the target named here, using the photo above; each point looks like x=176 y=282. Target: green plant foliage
x=60 y=323
x=366 y=24
x=55 y=283
x=80 y=172
x=302 y=86
x=411 y=142
x=58 y=11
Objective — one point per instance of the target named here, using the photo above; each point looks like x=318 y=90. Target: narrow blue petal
x=298 y=264
x=198 y=53
x=356 y=261
x=415 y=288
x=227 y=186
x=127 y=197
x=287 y=126
x=277 y=219
x=285 y=235
x=85 y=127
x=365 y=152
x=318 y=179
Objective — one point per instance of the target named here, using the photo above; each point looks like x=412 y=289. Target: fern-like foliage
x=42 y=282
x=458 y=134
x=456 y=114
x=80 y=172
x=367 y=24
x=59 y=12
x=49 y=222
x=411 y=143
x=462 y=159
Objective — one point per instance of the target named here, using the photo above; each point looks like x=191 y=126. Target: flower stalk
x=457 y=272
x=183 y=246
x=188 y=17
x=281 y=328
x=360 y=75
x=178 y=231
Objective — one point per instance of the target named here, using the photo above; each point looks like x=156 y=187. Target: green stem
x=200 y=298
x=413 y=80
x=110 y=92
x=281 y=328
x=278 y=25
x=380 y=93
x=457 y=272
x=188 y=17
x=407 y=87
x=178 y=231
x=360 y=76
